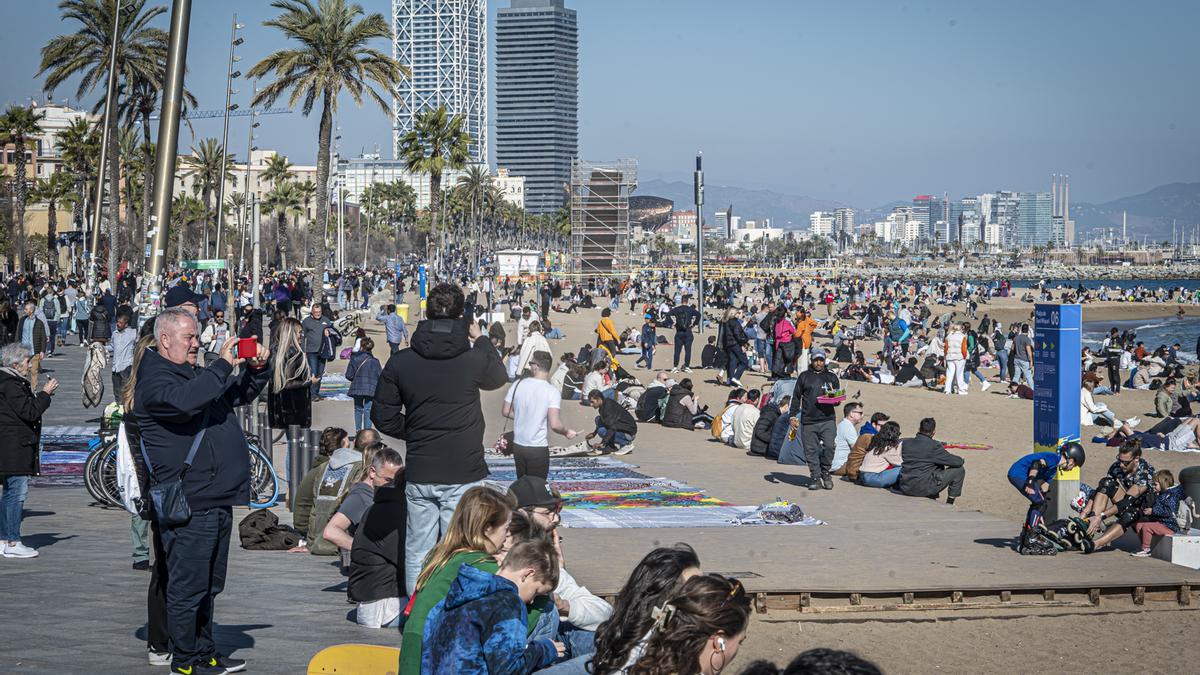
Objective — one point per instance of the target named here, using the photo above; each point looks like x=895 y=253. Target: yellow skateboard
x=355 y=659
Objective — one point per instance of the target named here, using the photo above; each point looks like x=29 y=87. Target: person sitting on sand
x=883 y=459
x=745 y=416
x=615 y=426
x=683 y=409
x=927 y=469
x=1016 y=390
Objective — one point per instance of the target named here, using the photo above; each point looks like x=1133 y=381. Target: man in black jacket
x=764 y=429
x=927 y=468
x=428 y=395
x=179 y=407
x=818 y=421
x=684 y=317
x=614 y=425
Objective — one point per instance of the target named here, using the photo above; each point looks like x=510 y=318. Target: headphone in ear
x=721 y=644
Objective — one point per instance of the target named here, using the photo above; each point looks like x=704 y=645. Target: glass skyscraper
x=1034 y=227
x=444 y=42
x=537 y=98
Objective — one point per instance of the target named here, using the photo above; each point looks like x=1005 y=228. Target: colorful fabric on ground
x=664 y=516
x=619 y=484
x=335 y=387
x=630 y=499
x=63 y=459
x=503 y=463
x=567 y=473
x=967 y=446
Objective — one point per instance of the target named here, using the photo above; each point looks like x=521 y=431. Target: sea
x=1189 y=284
x=1154 y=332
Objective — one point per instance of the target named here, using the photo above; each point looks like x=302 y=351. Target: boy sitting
x=480 y=626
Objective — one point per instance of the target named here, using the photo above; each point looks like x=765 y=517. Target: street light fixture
x=234 y=42
x=109 y=99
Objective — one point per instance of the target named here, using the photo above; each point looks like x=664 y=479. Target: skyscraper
x=537 y=98
x=1034 y=220
x=444 y=42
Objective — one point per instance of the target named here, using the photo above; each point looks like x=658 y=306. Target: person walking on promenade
x=393 y=325
x=189 y=434
x=428 y=396
x=21 y=425
x=32 y=333
x=316 y=327
x=1023 y=357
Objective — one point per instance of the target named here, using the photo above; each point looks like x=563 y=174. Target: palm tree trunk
x=21 y=193
x=147 y=190
x=131 y=215
x=280 y=237
x=203 y=240
x=307 y=228
x=435 y=191
x=324 y=135
x=52 y=234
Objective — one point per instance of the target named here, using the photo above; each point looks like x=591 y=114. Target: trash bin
x=402 y=311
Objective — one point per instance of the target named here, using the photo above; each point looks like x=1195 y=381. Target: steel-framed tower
x=600 y=194
x=444 y=42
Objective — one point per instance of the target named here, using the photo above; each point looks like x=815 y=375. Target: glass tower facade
x=537 y=98
x=1034 y=226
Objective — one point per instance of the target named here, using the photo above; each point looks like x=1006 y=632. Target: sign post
x=1057 y=341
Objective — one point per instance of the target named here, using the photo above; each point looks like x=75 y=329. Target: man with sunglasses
x=580 y=612
x=1121 y=491
x=216 y=332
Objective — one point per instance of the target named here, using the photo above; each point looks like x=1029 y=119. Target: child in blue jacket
x=481 y=625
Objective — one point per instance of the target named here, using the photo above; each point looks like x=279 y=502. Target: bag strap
x=187 y=463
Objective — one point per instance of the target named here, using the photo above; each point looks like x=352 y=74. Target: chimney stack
x=1066 y=210
x=1053 y=195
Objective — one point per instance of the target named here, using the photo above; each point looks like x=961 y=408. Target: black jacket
x=614 y=417
x=39 y=333
x=649 y=403
x=169 y=403
x=377 y=557
x=921 y=456
x=20 y=425
x=733 y=334
x=684 y=318
x=677 y=415
x=429 y=397
x=809 y=386
x=760 y=442
x=251 y=325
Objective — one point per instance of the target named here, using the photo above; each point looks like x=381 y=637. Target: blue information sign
x=421 y=280
x=1057 y=374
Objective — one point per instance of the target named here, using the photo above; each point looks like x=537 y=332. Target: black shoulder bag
x=169 y=501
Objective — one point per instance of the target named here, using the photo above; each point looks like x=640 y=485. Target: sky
x=862 y=102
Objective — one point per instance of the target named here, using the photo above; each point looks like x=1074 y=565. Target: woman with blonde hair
x=474 y=536
x=288 y=401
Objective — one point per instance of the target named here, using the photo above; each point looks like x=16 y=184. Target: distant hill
x=1150 y=213
x=755 y=204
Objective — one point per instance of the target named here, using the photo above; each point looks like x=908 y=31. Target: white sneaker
x=736 y=382
x=686 y=369
x=985 y=386
x=18 y=550
x=675 y=369
x=1133 y=422
x=624 y=449
x=159 y=658
x=721 y=379
x=1144 y=553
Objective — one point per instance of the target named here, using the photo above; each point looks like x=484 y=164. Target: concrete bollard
x=295 y=470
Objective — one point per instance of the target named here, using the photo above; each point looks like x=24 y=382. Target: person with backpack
x=363 y=372
x=49 y=307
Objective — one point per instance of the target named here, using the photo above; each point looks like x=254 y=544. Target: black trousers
x=683 y=343
x=157 y=638
x=119 y=378
x=1114 y=373
x=197 y=560
x=532 y=461
x=818 y=441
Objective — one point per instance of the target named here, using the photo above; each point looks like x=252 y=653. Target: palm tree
x=80 y=147
x=133 y=162
x=333 y=56
x=278 y=170
x=55 y=191
x=437 y=142
x=141 y=55
x=284 y=199
x=308 y=190
x=18 y=126
x=185 y=210
x=205 y=166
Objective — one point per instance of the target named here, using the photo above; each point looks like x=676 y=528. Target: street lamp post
x=230 y=74
x=246 y=186
x=109 y=100
x=168 y=138
x=699 y=186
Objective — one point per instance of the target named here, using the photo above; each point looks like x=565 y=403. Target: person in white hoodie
x=955 y=351
x=580 y=611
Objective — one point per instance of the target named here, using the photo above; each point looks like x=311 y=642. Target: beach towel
x=655 y=517
x=335 y=387
x=630 y=499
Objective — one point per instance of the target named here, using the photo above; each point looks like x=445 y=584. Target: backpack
x=717 y=424
x=50 y=308
x=1184 y=514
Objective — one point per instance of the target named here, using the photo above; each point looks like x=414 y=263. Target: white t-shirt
x=532 y=399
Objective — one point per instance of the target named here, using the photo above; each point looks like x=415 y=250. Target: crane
x=233 y=112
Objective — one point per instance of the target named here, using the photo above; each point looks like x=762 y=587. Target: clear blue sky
x=861 y=102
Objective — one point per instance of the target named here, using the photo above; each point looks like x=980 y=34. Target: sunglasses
x=554 y=510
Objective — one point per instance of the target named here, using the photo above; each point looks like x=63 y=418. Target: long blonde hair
x=139 y=350
x=288 y=364
x=480 y=509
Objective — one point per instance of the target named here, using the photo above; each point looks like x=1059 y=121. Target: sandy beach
x=904 y=642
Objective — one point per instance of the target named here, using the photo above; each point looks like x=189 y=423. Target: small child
x=1160 y=519
x=481 y=625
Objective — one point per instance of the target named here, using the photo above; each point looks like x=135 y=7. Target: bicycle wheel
x=106 y=474
x=91 y=476
x=264 y=482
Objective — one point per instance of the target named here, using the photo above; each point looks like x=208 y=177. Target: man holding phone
x=178 y=404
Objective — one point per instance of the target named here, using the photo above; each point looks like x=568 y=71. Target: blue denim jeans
x=11 y=503
x=882 y=479
x=430 y=506
x=362 y=412
x=736 y=363
x=317 y=366
x=1002 y=357
x=1022 y=371
x=620 y=438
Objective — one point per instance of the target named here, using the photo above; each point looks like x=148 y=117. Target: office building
x=722 y=222
x=820 y=223
x=683 y=224
x=1034 y=226
x=444 y=42
x=537 y=98
x=920 y=214
x=843 y=221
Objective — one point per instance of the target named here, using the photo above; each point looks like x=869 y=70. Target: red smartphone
x=247 y=348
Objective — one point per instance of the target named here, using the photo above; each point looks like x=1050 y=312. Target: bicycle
x=100 y=475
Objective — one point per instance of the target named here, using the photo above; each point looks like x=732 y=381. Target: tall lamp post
x=168 y=138
x=699 y=186
x=230 y=74
x=110 y=97
x=250 y=148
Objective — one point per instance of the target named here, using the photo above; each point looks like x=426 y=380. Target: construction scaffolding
x=600 y=216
